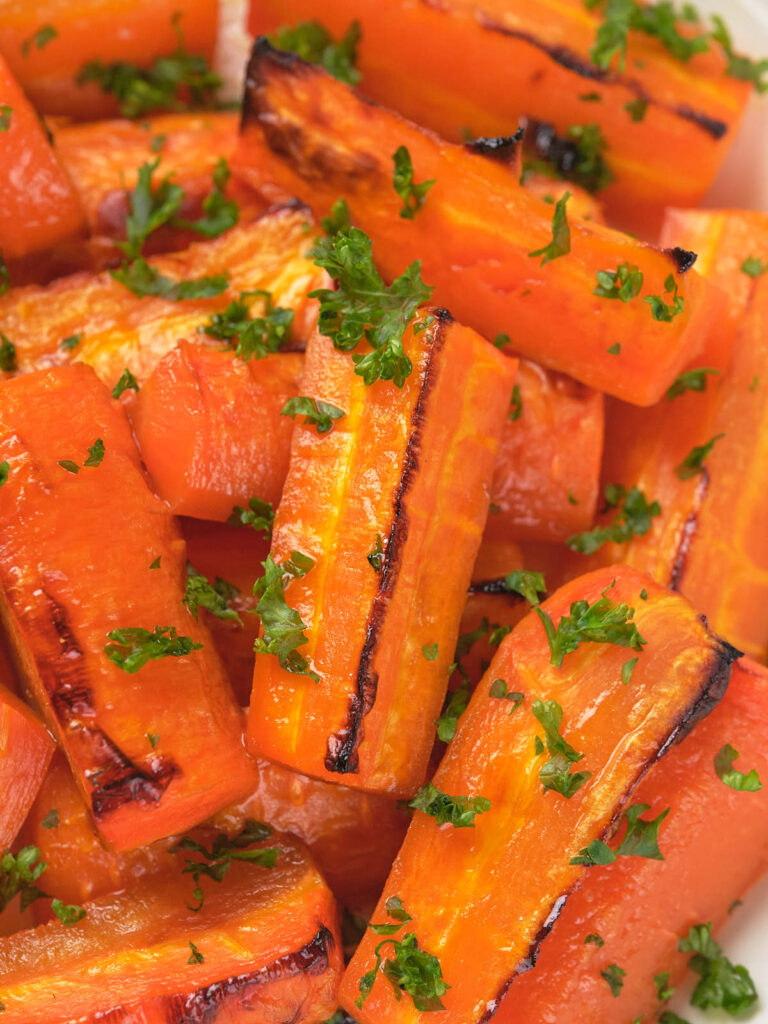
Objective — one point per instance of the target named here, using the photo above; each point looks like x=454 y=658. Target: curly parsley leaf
x=556 y=773
x=458 y=811
x=642 y=837
x=133 y=647
x=219 y=213
x=722 y=984
x=259 y=514
x=338 y=220
x=561 y=234
x=150 y=207
x=412 y=193
x=633 y=519
x=691 y=380
x=527 y=584
x=142 y=279
x=659 y=20
x=600 y=623
x=312 y=42
x=693 y=463
x=18 y=875
x=666 y=311
x=319 y=414
x=253 y=337
x=282 y=627
x=363 y=306
x=743 y=68
x=732 y=777
x=624 y=283
x=199 y=593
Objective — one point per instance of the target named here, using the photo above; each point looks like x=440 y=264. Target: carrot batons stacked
x=25 y=750
x=156 y=749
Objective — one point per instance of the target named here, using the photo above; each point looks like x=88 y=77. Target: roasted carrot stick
x=263 y=947
x=667 y=124
x=708 y=540
x=547 y=474
x=708 y=825
x=106 y=325
x=92 y=572
x=39 y=207
x=49 y=43
x=542 y=812
x=487 y=246
x=210 y=431
x=25 y=750
x=376 y=504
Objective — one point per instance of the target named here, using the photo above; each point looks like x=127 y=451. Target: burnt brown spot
x=117 y=780
x=683 y=259
x=688 y=531
x=497 y=586
x=342 y=747
x=499 y=147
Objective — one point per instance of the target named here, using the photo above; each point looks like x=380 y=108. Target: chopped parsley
x=600 y=623
x=150 y=207
x=458 y=811
x=614 y=975
x=259 y=514
x=142 y=279
x=320 y=414
x=455 y=705
x=590 y=169
x=376 y=555
x=693 y=463
x=556 y=773
x=663 y=990
x=153 y=739
x=363 y=306
x=623 y=283
x=501 y=340
x=614 y=349
x=68 y=914
x=721 y=983
x=69 y=465
x=595 y=939
x=754 y=267
x=561 y=234
x=732 y=777
x=18 y=877
x=516 y=405
x=637 y=109
x=527 y=584
x=219 y=213
x=691 y=380
x=39 y=39
x=430 y=652
x=133 y=647
x=199 y=593
x=95 y=454
x=195 y=957
x=311 y=41
x=633 y=519
x=627 y=669
x=5 y=277
x=666 y=311
x=654 y=19
x=7 y=354
x=5 y=471
x=499 y=690
x=51 y=820
x=744 y=68
x=252 y=337
x=282 y=627
x=70 y=342
x=668 y=1017
x=6 y=113
x=412 y=193
x=127 y=382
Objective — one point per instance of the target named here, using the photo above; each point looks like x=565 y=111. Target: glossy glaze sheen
x=457 y=66
x=314 y=136
x=510 y=875
x=25 y=750
x=268 y=938
x=74 y=564
x=412 y=465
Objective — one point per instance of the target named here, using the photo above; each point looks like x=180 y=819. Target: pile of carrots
x=384 y=503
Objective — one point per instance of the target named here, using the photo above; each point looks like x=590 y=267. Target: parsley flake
x=7 y=354
x=556 y=773
x=195 y=957
x=754 y=267
x=127 y=382
x=722 y=984
x=516 y=405
x=253 y=337
x=68 y=914
x=595 y=939
x=430 y=652
x=51 y=820
x=70 y=342
x=282 y=627
x=376 y=555
x=6 y=113
x=691 y=380
x=527 y=584
x=5 y=277
x=412 y=193
x=199 y=593
x=500 y=691
x=219 y=213
x=312 y=42
x=623 y=283
x=458 y=811
x=141 y=279
x=637 y=109
x=320 y=414
x=732 y=777
x=39 y=39
x=95 y=453
x=5 y=471
x=666 y=311
x=614 y=975
x=69 y=465
x=153 y=739
x=561 y=234
x=156 y=563
x=133 y=646
x=455 y=705
x=260 y=515
x=632 y=519
x=627 y=669
x=743 y=68
x=693 y=463
x=663 y=990
x=600 y=623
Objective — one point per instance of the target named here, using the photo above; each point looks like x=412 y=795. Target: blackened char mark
x=499 y=147
x=688 y=531
x=498 y=586
x=683 y=259
x=117 y=780
x=574 y=62
x=342 y=747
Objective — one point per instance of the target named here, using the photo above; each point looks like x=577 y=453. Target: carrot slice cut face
x=25 y=751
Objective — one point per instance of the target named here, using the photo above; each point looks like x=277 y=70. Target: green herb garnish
x=133 y=646
x=411 y=193
x=311 y=41
x=633 y=519
x=282 y=627
x=458 y=811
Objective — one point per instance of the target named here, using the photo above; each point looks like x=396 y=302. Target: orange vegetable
x=546 y=479
x=264 y=947
x=48 y=43
x=25 y=750
x=119 y=329
x=482 y=61
x=75 y=564
x=210 y=431
x=475 y=233
x=709 y=541
x=410 y=466
x=523 y=844
x=38 y=205
x=708 y=826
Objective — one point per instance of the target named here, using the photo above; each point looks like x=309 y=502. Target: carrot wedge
x=708 y=825
x=376 y=504
x=483 y=59
x=476 y=233
x=542 y=812
x=86 y=550
x=264 y=947
x=25 y=750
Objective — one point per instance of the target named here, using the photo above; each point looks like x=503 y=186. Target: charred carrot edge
x=483 y=59
x=118 y=329
x=25 y=750
x=680 y=674
x=209 y=428
x=31 y=219
x=104 y=516
x=408 y=466
x=545 y=484
x=474 y=233
x=708 y=825
x=47 y=65
x=708 y=541
x=264 y=944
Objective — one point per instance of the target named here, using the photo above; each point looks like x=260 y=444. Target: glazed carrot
x=708 y=540
x=541 y=812
x=547 y=474
x=209 y=428
x=708 y=826
x=114 y=329
x=48 y=44
x=25 y=750
x=476 y=233
x=38 y=208
x=482 y=61
x=402 y=478
x=82 y=532
x=264 y=947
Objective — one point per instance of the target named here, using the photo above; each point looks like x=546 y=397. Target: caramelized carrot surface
x=25 y=750
x=480 y=235
x=402 y=477
x=483 y=59
x=524 y=841
x=708 y=827
x=48 y=44
x=38 y=205
x=263 y=949
x=209 y=428
x=155 y=748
